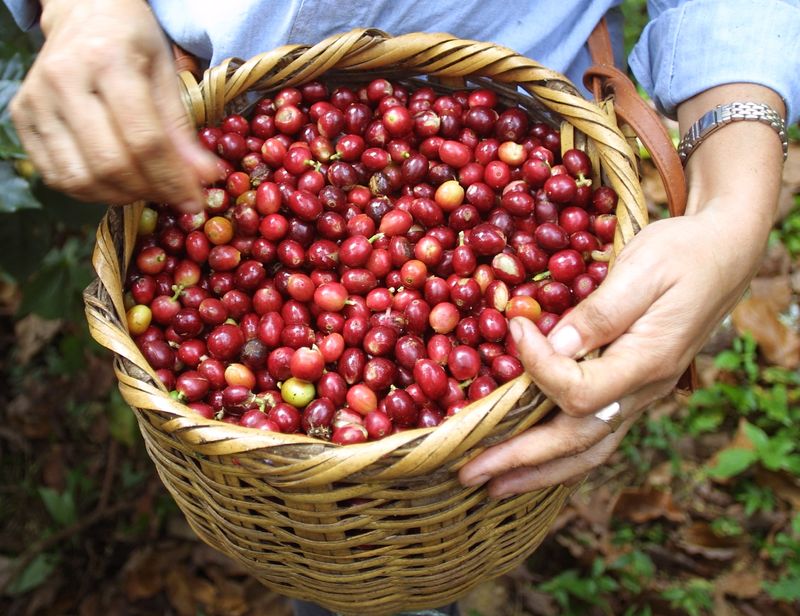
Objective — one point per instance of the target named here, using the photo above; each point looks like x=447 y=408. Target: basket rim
x=232 y=78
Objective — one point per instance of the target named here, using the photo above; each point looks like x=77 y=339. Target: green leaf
x=785 y=589
x=775 y=403
x=728 y=361
x=12 y=70
x=756 y=436
x=791 y=464
x=121 y=420
x=26 y=237
x=776 y=453
x=15 y=192
x=712 y=396
x=54 y=291
x=60 y=506
x=731 y=462
x=34 y=574
x=706 y=420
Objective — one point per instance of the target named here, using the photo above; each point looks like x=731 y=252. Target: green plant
x=784 y=551
x=574 y=592
x=693 y=597
x=767 y=396
x=789 y=230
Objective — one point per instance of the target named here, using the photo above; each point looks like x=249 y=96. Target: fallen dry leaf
x=774 y=290
x=179 y=591
x=33 y=334
x=776 y=260
x=699 y=539
x=640 y=505
x=143 y=575
x=744 y=583
x=782 y=484
x=779 y=343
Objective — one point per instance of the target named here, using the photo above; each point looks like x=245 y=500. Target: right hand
x=100 y=114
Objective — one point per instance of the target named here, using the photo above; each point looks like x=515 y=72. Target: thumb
x=623 y=297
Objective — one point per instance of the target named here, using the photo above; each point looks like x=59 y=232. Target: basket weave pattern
x=383 y=526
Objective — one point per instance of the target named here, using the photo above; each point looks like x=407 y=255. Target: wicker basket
x=383 y=526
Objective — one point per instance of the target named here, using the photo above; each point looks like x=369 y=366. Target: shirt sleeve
x=24 y=12
x=689 y=47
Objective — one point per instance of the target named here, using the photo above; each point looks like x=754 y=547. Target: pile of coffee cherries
x=354 y=272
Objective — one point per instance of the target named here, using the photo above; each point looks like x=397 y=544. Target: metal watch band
x=722 y=115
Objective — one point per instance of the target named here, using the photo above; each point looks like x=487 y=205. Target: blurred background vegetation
x=698 y=513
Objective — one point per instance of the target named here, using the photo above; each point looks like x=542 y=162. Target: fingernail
x=515 y=327
x=566 y=341
x=475 y=481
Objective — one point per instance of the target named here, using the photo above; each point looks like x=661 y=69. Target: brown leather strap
x=605 y=80
x=632 y=110
x=184 y=61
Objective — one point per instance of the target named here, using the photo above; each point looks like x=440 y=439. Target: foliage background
x=698 y=513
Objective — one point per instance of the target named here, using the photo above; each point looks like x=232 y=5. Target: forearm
x=735 y=174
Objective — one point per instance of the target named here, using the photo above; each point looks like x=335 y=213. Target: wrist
x=55 y=11
x=737 y=170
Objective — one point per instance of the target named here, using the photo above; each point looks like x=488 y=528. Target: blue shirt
x=688 y=46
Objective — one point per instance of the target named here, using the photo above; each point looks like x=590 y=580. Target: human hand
x=99 y=113
x=666 y=293
x=668 y=290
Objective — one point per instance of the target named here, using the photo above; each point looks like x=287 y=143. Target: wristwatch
x=722 y=115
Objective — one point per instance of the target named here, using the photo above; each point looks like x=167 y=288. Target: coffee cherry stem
x=541 y=276
x=604 y=256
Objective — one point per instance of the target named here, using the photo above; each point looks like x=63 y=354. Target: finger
x=106 y=156
x=582 y=387
x=609 y=311
x=179 y=125
x=562 y=436
x=142 y=134
x=30 y=138
x=60 y=161
x=56 y=147
x=555 y=472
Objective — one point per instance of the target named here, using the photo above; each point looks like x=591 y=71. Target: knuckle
x=16 y=108
x=575 y=443
x=144 y=144
x=578 y=406
x=597 y=319
x=74 y=181
x=57 y=72
x=108 y=167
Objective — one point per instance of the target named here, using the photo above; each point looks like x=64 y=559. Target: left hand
x=668 y=290
x=666 y=293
